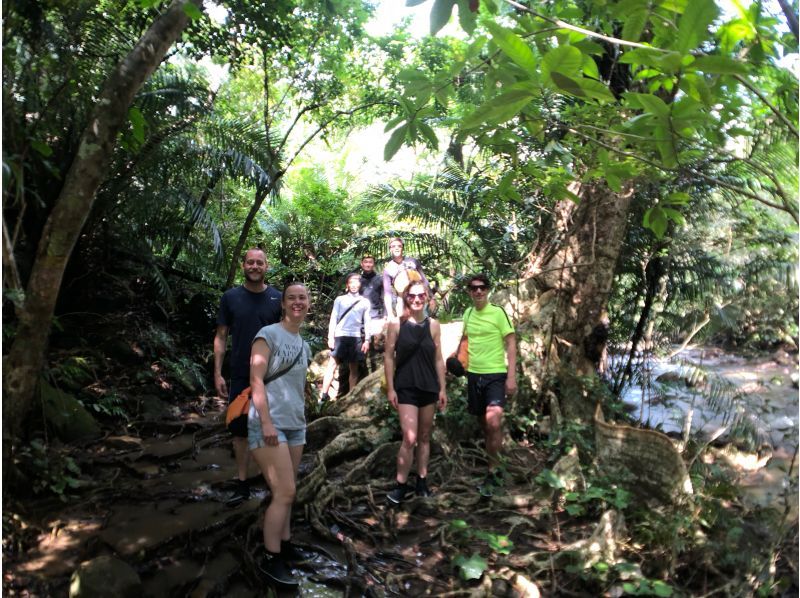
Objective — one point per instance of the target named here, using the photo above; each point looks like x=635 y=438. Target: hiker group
x=269 y=359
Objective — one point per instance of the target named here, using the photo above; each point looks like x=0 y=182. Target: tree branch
x=767 y=103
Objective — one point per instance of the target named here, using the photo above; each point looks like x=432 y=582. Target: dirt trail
x=159 y=506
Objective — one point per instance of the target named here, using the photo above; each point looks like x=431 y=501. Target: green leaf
x=551 y=478
x=661 y=589
x=429 y=134
x=410 y=74
x=589 y=68
x=498 y=110
x=466 y=18
x=677 y=6
x=575 y=510
x=566 y=60
x=440 y=14
x=582 y=88
x=641 y=57
x=678 y=198
x=500 y=544
x=664 y=144
x=394 y=122
x=42 y=148
x=471 y=568
x=629 y=588
x=693 y=24
x=720 y=65
x=137 y=122
x=656 y=221
x=148 y=3
x=395 y=141
x=634 y=24
x=192 y=11
x=674 y=215
x=514 y=47
x=567 y=84
x=695 y=86
x=671 y=62
x=652 y=104
x=458 y=524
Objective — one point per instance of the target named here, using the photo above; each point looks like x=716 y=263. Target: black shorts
x=484 y=390
x=238 y=427
x=347 y=349
x=418 y=398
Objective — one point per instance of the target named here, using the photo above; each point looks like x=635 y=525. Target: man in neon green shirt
x=491 y=373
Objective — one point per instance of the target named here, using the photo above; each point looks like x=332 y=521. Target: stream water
x=713 y=393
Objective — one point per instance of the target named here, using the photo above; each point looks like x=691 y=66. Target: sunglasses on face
x=420 y=296
x=477 y=287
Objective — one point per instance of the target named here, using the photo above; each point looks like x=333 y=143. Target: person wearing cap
x=398 y=273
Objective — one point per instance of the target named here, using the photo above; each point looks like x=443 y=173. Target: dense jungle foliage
x=634 y=161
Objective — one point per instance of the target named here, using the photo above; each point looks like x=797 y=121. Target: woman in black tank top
x=415 y=383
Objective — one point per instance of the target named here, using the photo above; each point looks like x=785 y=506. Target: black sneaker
x=275 y=568
x=240 y=494
x=422 y=488
x=490 y=485
x=400 y=493
x=291 y=553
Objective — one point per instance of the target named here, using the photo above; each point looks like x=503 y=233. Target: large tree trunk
x=582 y=272
x=63 y=226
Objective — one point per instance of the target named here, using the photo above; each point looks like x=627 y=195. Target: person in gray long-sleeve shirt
x=350 y=315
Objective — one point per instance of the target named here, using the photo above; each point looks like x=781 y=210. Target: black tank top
x=415 y=357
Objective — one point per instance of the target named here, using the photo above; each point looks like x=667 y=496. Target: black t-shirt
x=415 y=357
x=372 y=289
x=245 y=313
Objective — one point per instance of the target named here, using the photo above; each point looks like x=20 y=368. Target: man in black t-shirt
x=243 y=311
x=372 y=289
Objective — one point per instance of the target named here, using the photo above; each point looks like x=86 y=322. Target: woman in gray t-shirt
x=276 y=424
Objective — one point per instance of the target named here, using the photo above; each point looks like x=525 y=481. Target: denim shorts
x=255 y=436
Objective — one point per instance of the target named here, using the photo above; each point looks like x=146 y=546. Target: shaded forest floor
x=152 y=489
x=156 y=501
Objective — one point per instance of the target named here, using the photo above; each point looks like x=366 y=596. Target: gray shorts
x=255 y=436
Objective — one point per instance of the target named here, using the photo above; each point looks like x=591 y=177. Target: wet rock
x=122 y=351
x=105 y=577
x=783 y=358
x=66 y=416
x=151 y=408
x=670 y=378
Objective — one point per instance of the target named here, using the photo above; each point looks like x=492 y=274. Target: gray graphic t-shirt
x=285 y=395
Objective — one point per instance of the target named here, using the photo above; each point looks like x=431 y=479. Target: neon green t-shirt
x=486 y=330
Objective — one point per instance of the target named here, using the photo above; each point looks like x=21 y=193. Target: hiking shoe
x=240 y=494
x=275 y=568
x=291 y=553
x=490 y=485
x=400 y=493
x=422 y=488
x=324 y=398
